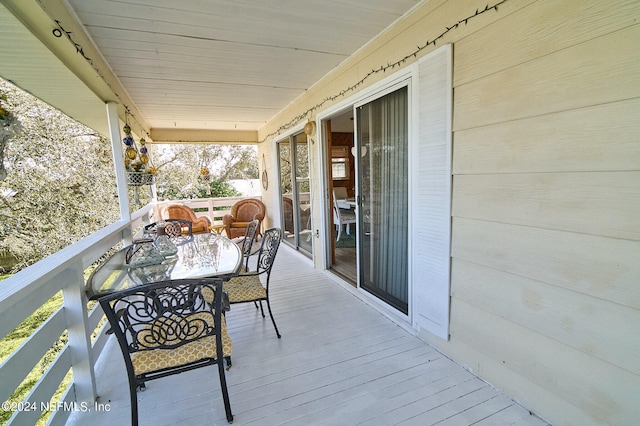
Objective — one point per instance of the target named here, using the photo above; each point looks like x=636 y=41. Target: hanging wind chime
x=204 y=175
x=140 y=170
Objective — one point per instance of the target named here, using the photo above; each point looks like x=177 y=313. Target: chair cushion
x=244 y=288
x=157 y=359
x=347 y=214
x=239 y=224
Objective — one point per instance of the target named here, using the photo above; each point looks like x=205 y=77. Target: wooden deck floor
x=339 y=362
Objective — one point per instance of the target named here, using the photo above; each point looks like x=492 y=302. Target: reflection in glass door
x=293 y=155
x=382 y=138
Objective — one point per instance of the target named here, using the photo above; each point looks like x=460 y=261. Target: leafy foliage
x=60 y=183
x=179 y=165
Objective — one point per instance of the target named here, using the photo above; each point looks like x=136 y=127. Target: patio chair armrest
x=227 y=219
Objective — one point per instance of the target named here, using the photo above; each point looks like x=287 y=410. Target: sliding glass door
x=295 y=197
x=382 y=141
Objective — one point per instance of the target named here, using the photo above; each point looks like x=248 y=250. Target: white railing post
x=118 y=158
x=77 y=324
x=210 y=209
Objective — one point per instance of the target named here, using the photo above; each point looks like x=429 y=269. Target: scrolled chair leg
x=225 y=393
x=272 y=319
x=134 y=404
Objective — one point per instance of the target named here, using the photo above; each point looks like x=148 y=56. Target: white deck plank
x=338 y=362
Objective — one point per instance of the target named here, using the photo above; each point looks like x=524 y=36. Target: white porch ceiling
x=227 y=65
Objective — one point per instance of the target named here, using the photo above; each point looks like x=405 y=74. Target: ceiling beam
x=235 y=137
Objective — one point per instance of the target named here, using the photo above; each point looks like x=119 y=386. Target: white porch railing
x=213 y=208
x=25 y=292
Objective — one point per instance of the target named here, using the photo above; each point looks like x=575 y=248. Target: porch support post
x=118 y=156
x=77 y=323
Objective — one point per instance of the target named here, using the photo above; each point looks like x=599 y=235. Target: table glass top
x=202 y=256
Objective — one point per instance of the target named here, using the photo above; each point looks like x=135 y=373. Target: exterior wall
x=546 y=193
x=268 y=158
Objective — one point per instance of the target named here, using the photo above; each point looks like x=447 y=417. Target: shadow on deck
x=339 y=362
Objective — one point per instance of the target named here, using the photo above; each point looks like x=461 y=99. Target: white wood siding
x=546 y=194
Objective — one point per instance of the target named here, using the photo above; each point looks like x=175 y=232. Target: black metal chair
x=167 y=328
x=173 y=228
x=246 y=243
x=247 y=286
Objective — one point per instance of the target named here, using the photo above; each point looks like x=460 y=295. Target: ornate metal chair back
x=167 y=315
x=173 y=228
x=178 y=227
x=268 y=249
x=247 y=243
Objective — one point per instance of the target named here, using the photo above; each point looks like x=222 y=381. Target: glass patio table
x=199 y=256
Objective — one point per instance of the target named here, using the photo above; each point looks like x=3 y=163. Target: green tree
x=59 y=184
x=179 y=168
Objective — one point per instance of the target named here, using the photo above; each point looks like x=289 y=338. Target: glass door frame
x=401 y=306
x=402 y=78
x=291 y=141
x=337 y=265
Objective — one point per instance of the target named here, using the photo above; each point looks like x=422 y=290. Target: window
x=340 y=163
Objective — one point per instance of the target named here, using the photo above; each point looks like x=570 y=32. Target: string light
x=382 y=69
x=60 y=31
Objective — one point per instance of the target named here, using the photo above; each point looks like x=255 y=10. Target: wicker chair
x=288 y=212
x=243 y=212
x=169 y=327
x=199 y=225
